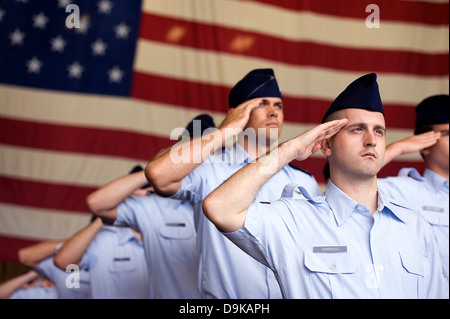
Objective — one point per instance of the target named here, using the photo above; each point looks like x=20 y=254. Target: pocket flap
x=412 y=262
x=122 y=264
x=339 y=263
x=176 y=231
x=437 y=219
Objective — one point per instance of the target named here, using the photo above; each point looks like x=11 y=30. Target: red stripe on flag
x=223 y=39
x=11 y=245
x=69 y=198
x=80 y=139
x=390 y=10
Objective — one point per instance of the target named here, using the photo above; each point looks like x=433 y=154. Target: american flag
x=80 y=107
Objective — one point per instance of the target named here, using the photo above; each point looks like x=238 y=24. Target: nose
x=370 y=140
x=273 y=110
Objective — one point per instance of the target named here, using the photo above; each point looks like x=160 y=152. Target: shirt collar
x=124 y=234
x=343 y=206
x=340 y=203
x=435 y=180
x=412 y=172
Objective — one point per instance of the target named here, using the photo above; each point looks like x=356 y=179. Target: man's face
x=268 y=115
x=437 y=155
x=357 y=150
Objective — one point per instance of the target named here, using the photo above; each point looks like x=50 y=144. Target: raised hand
x=308 y=143
x=238 y=117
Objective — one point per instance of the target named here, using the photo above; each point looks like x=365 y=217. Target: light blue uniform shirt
x=429 y=196
x=36 y=292
x=116 y=264
x=331 y=247
x=59 y=278
x=226 y=272
x=168 y=235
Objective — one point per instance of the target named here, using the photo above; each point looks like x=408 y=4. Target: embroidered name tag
x=122 y=259
x=330 y=249
x=176 y=224
x=433 y=209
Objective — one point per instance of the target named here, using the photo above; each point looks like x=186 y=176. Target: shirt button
x=332 y=266
x=381 y=268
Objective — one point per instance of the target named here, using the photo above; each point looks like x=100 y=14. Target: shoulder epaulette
x=299 y=169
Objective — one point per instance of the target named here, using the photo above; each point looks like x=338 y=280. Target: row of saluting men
x=232 y=227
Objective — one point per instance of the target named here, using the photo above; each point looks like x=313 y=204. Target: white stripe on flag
x=305 y=26
x=18 y=221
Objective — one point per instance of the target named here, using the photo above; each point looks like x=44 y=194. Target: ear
x=425 y=152
x=325 y=146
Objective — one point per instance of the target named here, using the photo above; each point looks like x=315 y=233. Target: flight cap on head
x=363 y=93
x=433 y=110
x=257 y=83
x=205 y=121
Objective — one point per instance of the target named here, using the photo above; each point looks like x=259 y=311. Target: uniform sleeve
x=127 y=211
x=266 y=235
x=191 y=186
x=46 y=268
x=436 y=285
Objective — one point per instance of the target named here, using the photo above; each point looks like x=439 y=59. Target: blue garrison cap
x=205 y=121
x=362 y=93
x=433 y=110
x=257 y=83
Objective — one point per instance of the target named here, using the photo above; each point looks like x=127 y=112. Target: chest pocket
x=414 y=264
x=339 y=263
x=178 y=241
x=176 y=231
x=331 y=271
x=122 y=264
x=436 y=218
x=124 y=276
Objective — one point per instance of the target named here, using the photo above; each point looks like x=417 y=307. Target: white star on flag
x=17 y=37
x=115 y=75
x=99 y=47
x=75 y=70
x=34 y=65
x=58 y=44
x=122 y=31
x=104 y=6
x=40 y=21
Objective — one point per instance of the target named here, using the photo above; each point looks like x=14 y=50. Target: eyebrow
x=276 y=103
x=364 y=124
